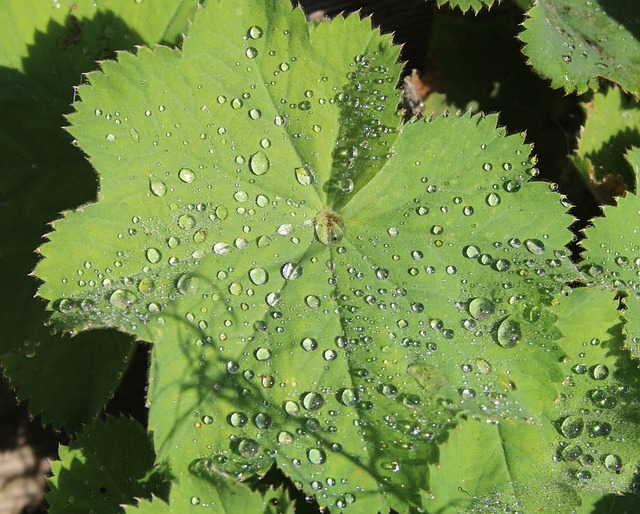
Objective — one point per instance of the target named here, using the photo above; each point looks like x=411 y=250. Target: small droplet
x=110 y=138
x=236 y=103
x=153 y=255
x=255 y=114
x=312 y=301
x=493 y=199
x=309 y=344
x=251 y=52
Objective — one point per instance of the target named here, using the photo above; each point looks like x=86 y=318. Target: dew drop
x=572 y=426
x=316 y=456
x=188 y=284
x=146 y=285
x=157 y=186
x=509 y=333
x=535 y=246
x=122 y=299
x=312 y=401
x=309 y=344
x=493 y=199
x=259 y=163
x=186 y=175
x=236 y=103
x=291 y=271
x=258 y=276
x=251 y=52
x=312 y=301
x=613 y=463
x=303 y=176
x=153 y=255
x=221 y=212
x=255 y=32
x=600 y=372
x=481 y=308
x=255 y=114
x=248 y=448
x=186 y=222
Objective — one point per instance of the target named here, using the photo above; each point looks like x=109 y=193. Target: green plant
x=387 y=312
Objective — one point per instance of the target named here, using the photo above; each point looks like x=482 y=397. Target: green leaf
x=465 y=5
x=611 y=128
x=323 y=291
x=110 y=464
x=68 y=379
x=44 y=49
x=574 y=44
x=540 y=464
x=612 y=258
x=215 y=491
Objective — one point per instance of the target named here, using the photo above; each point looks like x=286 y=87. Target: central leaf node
x=329 y=227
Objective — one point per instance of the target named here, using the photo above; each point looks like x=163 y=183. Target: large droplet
x=153 y=255
x=259 y=163
x=535 y=246
x=122 y=298
x=187 y=175
x=157 y=186
x=188 y=284
x=291 y=271
x=329 y=227
x=304 y=176
x=509 y=333
x=259 y=276
x=248 y=448
x=481 y=308
x=312 y=401
x=255 y=32
x=572 y=426
x=317 y=456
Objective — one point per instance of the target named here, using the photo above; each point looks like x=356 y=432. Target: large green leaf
x=325 y=290
x=44 y=49
x=575 y=43
x=612 y=127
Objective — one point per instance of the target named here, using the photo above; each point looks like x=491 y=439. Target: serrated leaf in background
x=45 y=48
x=574 y=44
x=612 y=258
x=612 y=127
x=109 y=464
x=465 y=5
x=323 y=292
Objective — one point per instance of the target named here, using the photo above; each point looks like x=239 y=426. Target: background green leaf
x=465 y=5
x=612 y=127
x=575 y=43
x=46 y=47
x=110 y=464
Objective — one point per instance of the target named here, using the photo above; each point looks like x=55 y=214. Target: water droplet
x=259 y=163
x=316 y=456
x=110 y=138
x=291 y=408
x=65 y=305
x=248 y=448
x=186 y=222
x=251 y=52
x=256 y=114
x=535 y=246
x=188 y=284
x=263 y=354
x=309 y=344
x=255 y=32
x=186 y=175
x=235 y=288
x=481 y=308
x=348 y=397
x=134 y=135
x=572 y=426
x=493 y=199
x=312 y=401
x=263 y=421
x=600 y=372
x=122 y=299
x=329 y=227
x=571 y=452
x=312 y=301
x=221 y=212
x=304 y=176
x=285 y=438
x=483 y=366
x=487 y=166
x=291 y=271
x=236 y=103
x=153 y=255
x=509 y=333
x=259 y=276
x=613 y=463
x=146 y=285
x=238 y=419
x=157 y=186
